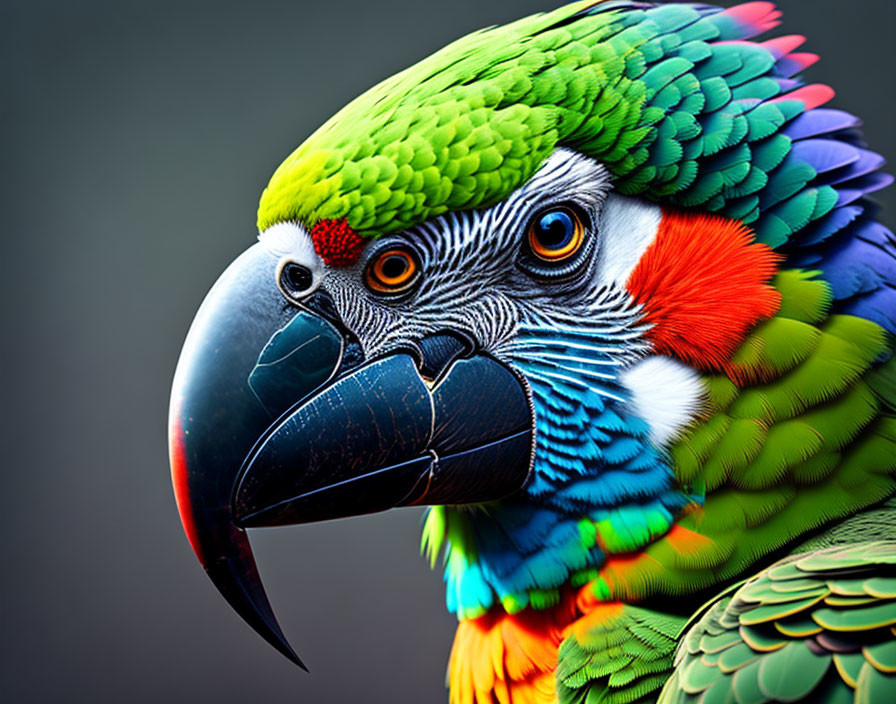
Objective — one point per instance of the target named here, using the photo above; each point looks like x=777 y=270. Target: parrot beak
x=277 y=419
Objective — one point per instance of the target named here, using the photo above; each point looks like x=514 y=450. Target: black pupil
x=555 y=229
x=394 y=266
x=296 y=278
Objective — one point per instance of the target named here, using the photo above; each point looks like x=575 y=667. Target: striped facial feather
x=648 y=279
x=472 y=281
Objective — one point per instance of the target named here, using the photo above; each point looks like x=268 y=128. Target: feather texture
x=768 y=274
x=819 y=627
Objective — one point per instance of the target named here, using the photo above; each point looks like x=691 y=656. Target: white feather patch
x=292 y=244
x=666 y=393
x=289 y=239
x=627 y=228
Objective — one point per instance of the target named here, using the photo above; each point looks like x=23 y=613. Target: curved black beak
x=271 y=424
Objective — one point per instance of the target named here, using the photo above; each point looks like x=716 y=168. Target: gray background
x=137 y=138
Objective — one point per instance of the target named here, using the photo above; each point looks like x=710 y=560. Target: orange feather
x=704 y=283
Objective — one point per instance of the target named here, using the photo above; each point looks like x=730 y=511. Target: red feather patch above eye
x=336 y=242
x=704 y=284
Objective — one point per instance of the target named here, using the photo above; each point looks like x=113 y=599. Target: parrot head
x=494 y=283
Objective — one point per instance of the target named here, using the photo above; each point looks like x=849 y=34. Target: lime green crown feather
x=661 y=95
x=461 y=128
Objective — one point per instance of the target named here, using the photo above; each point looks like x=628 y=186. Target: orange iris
x=556 y=235
x=391 y=271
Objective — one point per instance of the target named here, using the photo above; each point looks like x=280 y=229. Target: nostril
x=295 y=279
x=437 y=352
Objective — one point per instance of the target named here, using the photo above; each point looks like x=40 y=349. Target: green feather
x=746 y=685
x=618 y=660
x=874 y=687
x=792 y=673
x=674 y=113
x=754 y=646
x=802 y=445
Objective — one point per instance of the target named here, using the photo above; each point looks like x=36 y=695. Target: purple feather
x=879 y=234
x=868 y=162
x=854 y=265
x=862 y=187
x=831 y=223
x=820 y=121
x=878 y=307
x=793 y=64
x=788 y=84
x=825 y=155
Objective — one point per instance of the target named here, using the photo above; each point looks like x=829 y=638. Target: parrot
x=605 y=290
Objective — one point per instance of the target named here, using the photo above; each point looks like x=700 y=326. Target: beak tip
x=236 y=578
x=298 y=661
x=282 y=645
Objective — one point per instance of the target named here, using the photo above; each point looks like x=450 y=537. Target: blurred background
x=137 y=139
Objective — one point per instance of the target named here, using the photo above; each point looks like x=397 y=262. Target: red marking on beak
x=177 y=454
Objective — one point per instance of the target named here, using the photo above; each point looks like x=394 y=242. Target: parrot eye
x=556 y=242
x=296 y=281
x=556 y=234
x=392 y=271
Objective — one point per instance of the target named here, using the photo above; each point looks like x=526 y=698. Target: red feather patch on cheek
x=704 y=284
x=336 y=242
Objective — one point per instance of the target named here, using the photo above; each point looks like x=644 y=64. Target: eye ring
x=555 y=235
x=393 y=270
x=296 y=281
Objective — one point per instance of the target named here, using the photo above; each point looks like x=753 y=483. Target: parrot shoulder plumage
x=815 y=627
x=796 y=434
x=617 y=653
